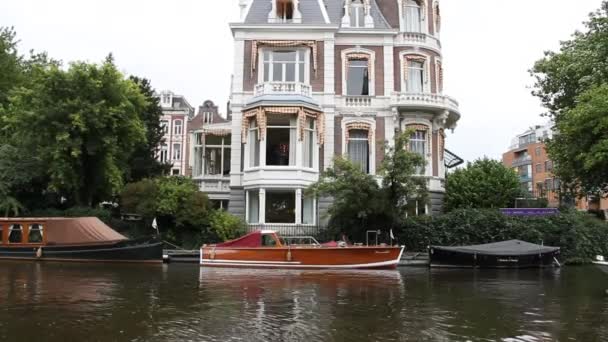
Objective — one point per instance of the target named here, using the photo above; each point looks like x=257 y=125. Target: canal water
x=87 y=302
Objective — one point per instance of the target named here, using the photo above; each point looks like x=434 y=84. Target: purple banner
x=529 y=211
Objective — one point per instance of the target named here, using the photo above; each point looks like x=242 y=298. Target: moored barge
x=504 y=254
x=71 y=239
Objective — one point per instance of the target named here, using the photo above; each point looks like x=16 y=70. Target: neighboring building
x=177 y=112
x=528 y=157
x=210 y=151
x=314 y=79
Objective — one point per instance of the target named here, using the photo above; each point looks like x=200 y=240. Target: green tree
x=11 y=67
x=400 y=182
x=143 y=162
x=485 y=183
x=83 y=123
x=572 y=84
x=360 y=203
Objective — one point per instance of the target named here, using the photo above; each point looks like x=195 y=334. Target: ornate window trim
x=260 y=63
x=359 y=53
x=436 y=17
x=362 y=124
x=439 y=75
x=422 y=127
x=405 y=57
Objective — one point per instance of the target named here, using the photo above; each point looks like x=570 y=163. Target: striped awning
x=261 y=113
x=283 y=43
x=217 y=132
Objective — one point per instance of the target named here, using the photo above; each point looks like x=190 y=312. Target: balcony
x=425 y=101
x=213 y=184
x=283 y=88
x=521 y=161
x=418 y=38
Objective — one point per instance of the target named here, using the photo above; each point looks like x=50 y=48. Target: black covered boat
x=505 y=254
x=601 y=263
x=71 y=239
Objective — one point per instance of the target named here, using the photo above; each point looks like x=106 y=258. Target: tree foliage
x=573 y=85
x=362 y=202
x=484 y=183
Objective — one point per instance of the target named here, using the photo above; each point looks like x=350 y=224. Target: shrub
x=225 y=225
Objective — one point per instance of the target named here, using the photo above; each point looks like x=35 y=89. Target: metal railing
x=288 y=229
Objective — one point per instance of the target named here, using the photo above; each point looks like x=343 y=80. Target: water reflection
x=56 y=302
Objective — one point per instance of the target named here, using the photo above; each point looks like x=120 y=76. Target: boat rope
x=557 y=262
x=39 y=253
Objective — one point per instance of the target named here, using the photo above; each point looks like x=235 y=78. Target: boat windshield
x=301 y=240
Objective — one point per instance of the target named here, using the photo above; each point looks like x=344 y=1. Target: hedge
x=580 y=235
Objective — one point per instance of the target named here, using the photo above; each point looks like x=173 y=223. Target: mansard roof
x=312 y=12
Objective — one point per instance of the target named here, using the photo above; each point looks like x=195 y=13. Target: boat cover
x=253 y=239
x=510 y=247
x=82 y=230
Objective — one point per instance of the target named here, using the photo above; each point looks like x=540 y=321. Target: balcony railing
x=283 y=88
x=419 y=38
x=213 y=183
x=424 y=100
x=527 y=160
x=357 y=101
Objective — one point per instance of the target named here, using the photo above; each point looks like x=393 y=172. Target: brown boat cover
x=82 y=230
x=253 y=239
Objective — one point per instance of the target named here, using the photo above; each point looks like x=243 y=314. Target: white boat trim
x=600 y=263
x=221 y=261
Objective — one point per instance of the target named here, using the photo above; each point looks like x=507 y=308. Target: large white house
x=314 y=79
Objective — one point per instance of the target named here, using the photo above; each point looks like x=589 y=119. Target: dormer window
x=357 y=13
x=285 y=10
x=412 y=16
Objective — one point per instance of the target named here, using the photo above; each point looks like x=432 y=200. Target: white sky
x=186 y=46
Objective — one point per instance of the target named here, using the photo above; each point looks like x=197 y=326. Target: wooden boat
x=505 y=254
x=71 y=239
x=601 y=263
x=265 y=249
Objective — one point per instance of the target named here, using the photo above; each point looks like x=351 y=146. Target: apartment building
x=177 y=113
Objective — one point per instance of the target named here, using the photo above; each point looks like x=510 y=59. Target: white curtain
x=309 y=143
x=254 y=150
x=358 y=149
x=307 y=210
x=293 y=135
x=415 y=77
x=254 y=206
x=412 y=16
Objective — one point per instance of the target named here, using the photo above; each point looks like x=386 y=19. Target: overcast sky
x=186 y=46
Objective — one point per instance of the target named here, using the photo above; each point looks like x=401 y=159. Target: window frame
x=200 y=151
x=420 y=5
x=358 y=7
x=369 y=150
x=405 y=58
x=309 y=134
x=262 y=64
x=176 y=153
x=290 y=127
x=347 y=54
x=178 y=129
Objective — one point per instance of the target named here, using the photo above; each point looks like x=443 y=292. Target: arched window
x=285 y=10
x=358 y=148
x=412 y=16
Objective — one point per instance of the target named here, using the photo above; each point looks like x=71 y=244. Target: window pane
x=277 y=146
x=308 y=146
x=35 y=233
x=198 y=161
x=226 y=168
x=412 y=17
x=308 y=210
x=213 y=140
x=280 y=207
x=254 y=148
x=277 y=72
x=15 y=233
x=212 y=161
x=284 y=56
x=290 y=72
x=266 y=72
x=357 y=79
x=254 y=206
x=301 y=71
x=358 y=149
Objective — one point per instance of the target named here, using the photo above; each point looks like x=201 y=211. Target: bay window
x=412 y=16
x=415 y=76
x=254 y=143
x=284 y=65
x=358 y=148
x=280 y=207
x=357 y=77
x=281 y=135
x=308 y=145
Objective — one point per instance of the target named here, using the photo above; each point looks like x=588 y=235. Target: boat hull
x=451 y=259
x=602 y=265
x=116 y=252
x=302 y=257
